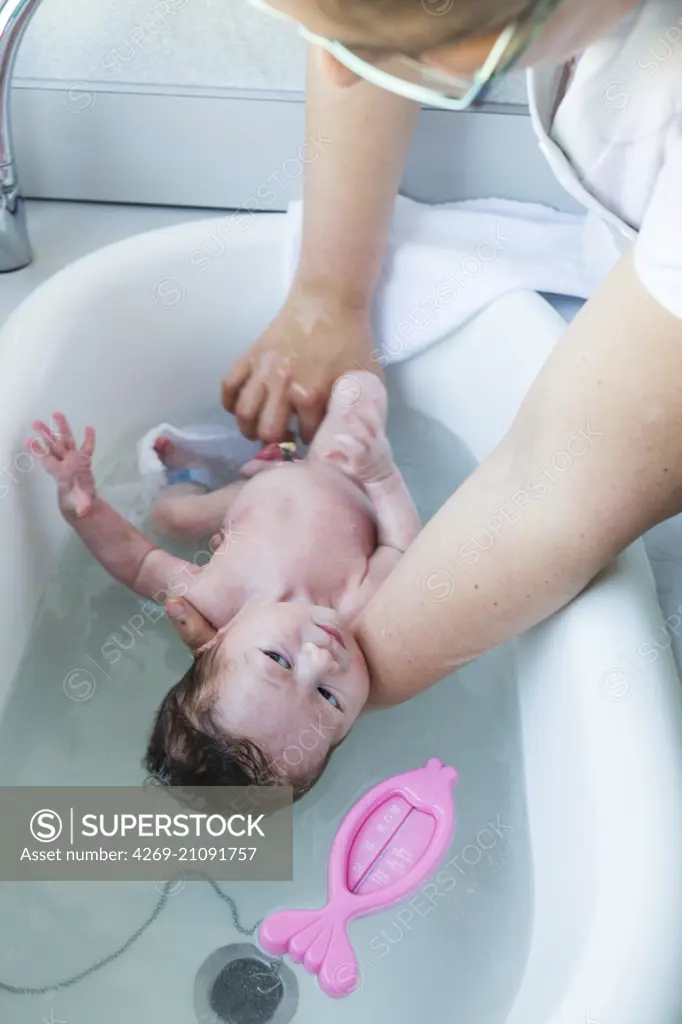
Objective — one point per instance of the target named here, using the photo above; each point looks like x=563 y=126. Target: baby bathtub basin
x=145 y=327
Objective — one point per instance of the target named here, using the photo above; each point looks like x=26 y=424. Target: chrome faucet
x=15 y=247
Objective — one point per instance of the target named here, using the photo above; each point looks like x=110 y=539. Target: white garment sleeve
x=658 y=249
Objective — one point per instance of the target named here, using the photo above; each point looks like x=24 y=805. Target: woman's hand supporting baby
x=193 y=629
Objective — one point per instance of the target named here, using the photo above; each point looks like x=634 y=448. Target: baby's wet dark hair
x=187 y=749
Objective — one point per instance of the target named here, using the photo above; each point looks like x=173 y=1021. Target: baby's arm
x=397 y=518
x=128 y=555
x=124 y=552
x=397 y=526
x=354 y=440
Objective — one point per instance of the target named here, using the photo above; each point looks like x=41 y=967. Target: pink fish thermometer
x=387 y=846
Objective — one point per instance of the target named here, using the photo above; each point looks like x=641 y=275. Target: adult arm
x=610 y=396
x=360 y=136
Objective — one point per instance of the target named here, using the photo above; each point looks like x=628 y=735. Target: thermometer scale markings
x=408 y=831
x=399 y=809
x=408 y=844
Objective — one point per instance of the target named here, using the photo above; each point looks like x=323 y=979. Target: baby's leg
x=189 y=510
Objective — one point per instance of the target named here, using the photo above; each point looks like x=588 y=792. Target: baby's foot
x=174 y=456
x=183 y=466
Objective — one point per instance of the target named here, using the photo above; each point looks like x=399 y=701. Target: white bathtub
x=146 y=327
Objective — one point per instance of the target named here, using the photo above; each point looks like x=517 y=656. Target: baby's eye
x=330 y=697
x=278 y=658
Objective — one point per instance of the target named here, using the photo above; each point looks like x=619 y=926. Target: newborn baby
x=300 y=546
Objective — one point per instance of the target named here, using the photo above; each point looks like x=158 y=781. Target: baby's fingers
x=88 y=446
x=53 y=444
x=37 y=447
x=39 y=450
x=64 y=431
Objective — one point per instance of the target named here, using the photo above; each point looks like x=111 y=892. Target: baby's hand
x=70 y=466
x=357 y=443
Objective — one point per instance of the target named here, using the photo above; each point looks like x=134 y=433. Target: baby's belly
x=317 y=508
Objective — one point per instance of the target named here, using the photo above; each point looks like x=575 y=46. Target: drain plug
x=238 y=984
x=246 y=991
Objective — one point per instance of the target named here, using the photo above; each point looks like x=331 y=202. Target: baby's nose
x=314 y=662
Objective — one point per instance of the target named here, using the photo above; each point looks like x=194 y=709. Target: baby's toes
x=164 y=448
x=172 y=455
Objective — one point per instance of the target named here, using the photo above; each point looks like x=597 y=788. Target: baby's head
x=277 y=691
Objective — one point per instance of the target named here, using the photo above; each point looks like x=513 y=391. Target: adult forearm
x=487 y=567
x=592 y=461
x=363 y=135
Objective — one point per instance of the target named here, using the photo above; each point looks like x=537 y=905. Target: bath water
x=97 y=665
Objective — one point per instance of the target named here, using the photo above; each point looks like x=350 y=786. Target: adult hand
x=192 y=628
x=291 y=368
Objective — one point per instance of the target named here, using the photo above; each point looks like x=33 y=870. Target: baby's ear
x=192 y=628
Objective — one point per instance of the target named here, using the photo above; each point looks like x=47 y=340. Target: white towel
x=445 y=263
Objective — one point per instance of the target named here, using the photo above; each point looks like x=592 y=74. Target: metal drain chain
x=19 y=990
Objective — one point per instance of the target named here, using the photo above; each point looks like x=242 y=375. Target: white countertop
x=63 y=232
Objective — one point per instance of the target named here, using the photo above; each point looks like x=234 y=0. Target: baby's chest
x=314 y=522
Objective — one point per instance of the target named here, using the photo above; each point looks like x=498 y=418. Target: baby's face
x=291 y=679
